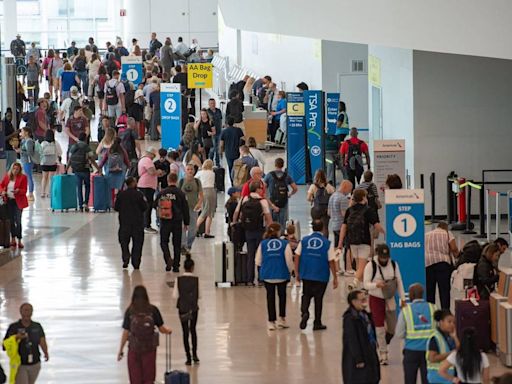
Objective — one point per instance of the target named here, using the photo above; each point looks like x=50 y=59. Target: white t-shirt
x=10 y=189
x=207 y=178
x=452 y=359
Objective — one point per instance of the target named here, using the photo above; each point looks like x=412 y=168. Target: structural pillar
x=10 y=22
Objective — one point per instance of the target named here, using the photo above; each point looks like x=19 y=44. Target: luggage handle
x=167 y=352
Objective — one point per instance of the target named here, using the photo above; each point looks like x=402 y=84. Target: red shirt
x=76 y=126
x=245 y=189
x=353 y=140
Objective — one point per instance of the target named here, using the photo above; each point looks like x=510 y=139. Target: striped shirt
x=338 y=204
x=437 y=247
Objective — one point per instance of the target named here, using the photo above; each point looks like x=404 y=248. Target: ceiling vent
x=357 y=66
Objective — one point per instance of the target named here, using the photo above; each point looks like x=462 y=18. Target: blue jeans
x=27 y=169
x=188 y=240
x=83 y=178
x=230 y=167
x=84 y=78
x=281 y=217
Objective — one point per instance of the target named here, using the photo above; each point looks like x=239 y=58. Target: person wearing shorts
x=356 y=227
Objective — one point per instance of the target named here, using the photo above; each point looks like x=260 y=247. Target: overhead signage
x=170 y=108
x=200 y=75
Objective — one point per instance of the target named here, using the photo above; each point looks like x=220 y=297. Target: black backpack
x=129 y=94
x=252 y=213
x=321 y=200
x=78 y=159
x=128 y=143
x=356 y=222
x=111 y=94
x=80 y=65
x=74 y=103
x=355 y=154
x=280 y=192
x=372 y=198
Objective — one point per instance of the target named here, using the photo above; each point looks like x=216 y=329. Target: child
x=186 y=291
x=163 y=164
x=294 y=242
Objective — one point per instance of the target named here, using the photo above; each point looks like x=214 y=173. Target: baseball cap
x=73 y=89
x=139 y=93
x=233 y=190
x=151 y=150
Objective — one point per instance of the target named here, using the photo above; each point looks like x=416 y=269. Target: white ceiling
x=471 y=27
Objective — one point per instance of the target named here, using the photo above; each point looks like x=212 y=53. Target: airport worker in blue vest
x=275 y=259
x=314 y=259
x=416 y=325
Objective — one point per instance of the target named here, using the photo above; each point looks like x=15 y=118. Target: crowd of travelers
x=178 y=187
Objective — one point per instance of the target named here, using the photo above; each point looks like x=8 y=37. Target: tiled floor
x=71 y=272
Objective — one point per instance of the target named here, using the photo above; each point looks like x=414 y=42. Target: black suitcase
x=5 y=233
x=467 y=315
x=241 y=268
x=220 y=175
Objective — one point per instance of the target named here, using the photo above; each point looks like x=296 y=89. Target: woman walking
x=14 y=188
x=93 y=66
x=50 y=154
x=472 y=366
x=360 y=362
x=140 y=320
x=116 y=162
x=206 y=131
x=27 y=155
x=441 y=344
x=274 y=257
x=207 y=178
x=318 y=194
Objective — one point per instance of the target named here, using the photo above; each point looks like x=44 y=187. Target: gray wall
x=337 y=60
x=462 y=118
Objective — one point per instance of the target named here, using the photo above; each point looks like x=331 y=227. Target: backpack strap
x=374 y=269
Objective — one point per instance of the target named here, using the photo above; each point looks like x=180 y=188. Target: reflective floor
x=71 y=272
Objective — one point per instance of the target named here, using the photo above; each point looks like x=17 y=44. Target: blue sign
x=332 y=105
x=296 y=137
x=170 y=108
x=131 y=68
x=314 y=102
x=405 y=232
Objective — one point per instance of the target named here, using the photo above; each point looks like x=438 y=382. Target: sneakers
x=281 y=323
x=319 y=327
x=271 y=326
x=195 y=359
x=384 y=358
x=208 y=236
x=304 y=320
x=353 y=285
x=13 y=244
x=20 y=245
x=125 y=265
x=150 y=230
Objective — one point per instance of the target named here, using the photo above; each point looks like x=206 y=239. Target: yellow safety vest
x=11 y=347
x=415 y=331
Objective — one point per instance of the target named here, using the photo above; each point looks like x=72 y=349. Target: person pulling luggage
x=415 y=325
x=275 y=257
x=314 y=257
x=173 y=211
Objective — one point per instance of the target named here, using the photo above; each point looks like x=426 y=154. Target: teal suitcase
x=64 y=193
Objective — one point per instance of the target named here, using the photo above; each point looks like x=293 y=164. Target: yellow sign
x=295 y=109
x=200 y=75
x=374 y=70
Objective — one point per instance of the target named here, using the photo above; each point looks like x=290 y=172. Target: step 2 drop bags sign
x=170 y=107
x=405 y=232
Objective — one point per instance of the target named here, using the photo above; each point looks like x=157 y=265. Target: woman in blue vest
x=441 y=343
x=275 y=257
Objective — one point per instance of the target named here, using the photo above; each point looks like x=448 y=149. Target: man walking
x=147 y=184
x=114 y=102
x=352 y=152
x=415 y=325
x=173 y=212
x=314 y=257
x=193 y=190
x=279 y=183
x=30 y=336
x=216 y=117
x=230 y=143
x=131 y=206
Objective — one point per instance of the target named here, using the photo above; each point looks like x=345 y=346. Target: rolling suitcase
x=100 y=193
x=241 y=268
x=224 y=262
x=173 y=377
x=468 y=315
x=5 y=233
x=142 y=130
x=63 y=192
x=220 y=176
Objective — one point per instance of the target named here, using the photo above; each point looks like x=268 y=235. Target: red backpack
x=165 y=208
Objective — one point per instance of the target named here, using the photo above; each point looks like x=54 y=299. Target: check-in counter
x=256 y=123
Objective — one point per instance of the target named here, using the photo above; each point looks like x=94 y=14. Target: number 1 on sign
x=404 y=220
x=404 y=225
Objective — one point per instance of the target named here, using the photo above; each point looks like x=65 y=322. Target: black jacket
x=358 y=349
x=235 y=108
x=131 y=206
x=179 y=204
x=486 y=277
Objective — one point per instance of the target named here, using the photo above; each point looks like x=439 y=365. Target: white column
x=137 y=22
x=10 y=22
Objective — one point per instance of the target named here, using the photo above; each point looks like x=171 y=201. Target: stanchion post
x=488 y=220
x=422 y=181
x=482 y=194
x=497 y=214
x=468 y=230
x=433 y=197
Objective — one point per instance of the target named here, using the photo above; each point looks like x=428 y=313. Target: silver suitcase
x=224 y=253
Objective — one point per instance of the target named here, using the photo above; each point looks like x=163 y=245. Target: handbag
x=390 y=286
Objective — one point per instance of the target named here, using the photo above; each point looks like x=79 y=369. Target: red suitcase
x=142 y=130
x=478 y=317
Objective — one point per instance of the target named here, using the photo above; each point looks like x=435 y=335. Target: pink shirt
x=145 y=179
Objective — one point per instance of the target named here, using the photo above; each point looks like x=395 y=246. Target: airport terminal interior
x=333 y=89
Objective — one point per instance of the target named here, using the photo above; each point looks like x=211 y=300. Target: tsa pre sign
x=170 y=107
x=200 y=75
x=314 y=102
x=131 y=68
x=405 y=232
